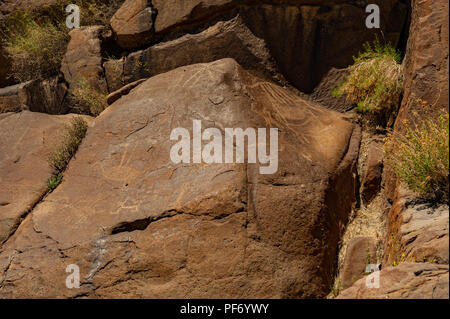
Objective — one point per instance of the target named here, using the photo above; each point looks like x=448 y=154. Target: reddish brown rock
x=361 y=252
x=5 y=76
x=141 y=226
x=133 y=23
x=44 y=96
x=323 y=93
x=306 y=38
x=114 y=74
x=114 y=96
x=26 y=140
x=83 y=59
x=417 y=232
x=406 y=281
x=426 y=70
x=12 y=98
x=225 y=39
x=371 y=182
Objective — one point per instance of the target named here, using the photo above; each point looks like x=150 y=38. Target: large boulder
x=132 y=24
x=406 y=281
x=5 y=76
x=225 y=39
x=83 y=59
x=26 y=141
x=139 y=225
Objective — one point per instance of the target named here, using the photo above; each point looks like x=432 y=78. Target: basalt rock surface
x=26 y=141
x=406 y=281
x=139 y=225
x=307 y=38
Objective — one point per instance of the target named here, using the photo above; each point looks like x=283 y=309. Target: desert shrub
x=35 y=47
x=72 y=137
x=375 y=82
x=420 y=157
x=35 y=41
x=88 y=99
x=98 y=12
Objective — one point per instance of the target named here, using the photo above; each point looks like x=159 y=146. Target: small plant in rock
x=420 y=157
x=375 y=82
x=336 y=287
x=72 y=137
x=36 y=47
x=88 y=99
x=54 y=181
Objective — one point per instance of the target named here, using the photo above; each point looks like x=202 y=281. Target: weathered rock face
x=417 y=232
x=44 y=96
x=406 y=281
x=361 y=251
x=83 y=59
x=12 y=98
x=307 y=41
x=139 y=225
x=133 y=23
x=225 y=39
x=306 y=38
x=114 y=96
x=323 y=92
x=5 y=78
x=426 y=69
x=26 y=140
x=371 y=182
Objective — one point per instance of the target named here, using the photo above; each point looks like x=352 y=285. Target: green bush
x=72 y=137
x=420 y=157
x=375 y=83
x=54 y=181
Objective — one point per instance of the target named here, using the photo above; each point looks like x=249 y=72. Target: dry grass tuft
x=35 y=47
x=88 y=99
x=73 y=135
x=420 y=157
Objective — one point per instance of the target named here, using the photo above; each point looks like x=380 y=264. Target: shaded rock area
x=406 y=281
x=306 y=38
x=13 y=98
x=371 y=182
x=225 y=39
x=323 y=92
x=46 y=96
x=26 y=141
x=5 y=78
x=142 y=226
